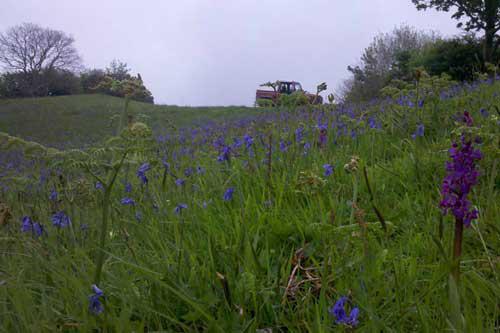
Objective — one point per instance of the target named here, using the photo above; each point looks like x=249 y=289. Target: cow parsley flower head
x=95 y=305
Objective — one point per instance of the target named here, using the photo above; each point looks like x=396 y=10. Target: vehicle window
x=298 y=86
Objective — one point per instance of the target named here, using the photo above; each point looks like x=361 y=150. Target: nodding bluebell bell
x=328 y=168
x=180 y=182
x=419 y=131
x=138 y=216
x=53 y=195
x=200 y=170
x=341 y=317
x=248 y=141
x=127 y=201
x=225 y=154
x=178 y=209
x=99 y=186
x=60 y=220
x=299 y=134
x=141 y=172
x=95 y=305
x=28 y=225
x=128 y=187
x=228 y=195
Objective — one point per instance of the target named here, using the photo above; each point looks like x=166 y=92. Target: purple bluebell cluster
x=60 y=220
x=28 y=225
x=341 y=317
x=328 y=169
x=95 y=305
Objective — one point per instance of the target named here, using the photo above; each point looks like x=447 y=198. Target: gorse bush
x=317 y=219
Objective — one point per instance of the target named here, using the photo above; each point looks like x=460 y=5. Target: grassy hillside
x=83 y=120
x=261 y=225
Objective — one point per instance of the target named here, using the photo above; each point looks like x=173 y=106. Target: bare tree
x=33 y=53
x=30 y=48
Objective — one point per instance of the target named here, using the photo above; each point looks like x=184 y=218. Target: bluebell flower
x=372 y=123
x=299 y=134
x=27 y=224
x=419 y=132
x=141 y=172
x=225 y=154
x=228 y=195
x=188 y=171
x=283 y=146
x=180 y=207
x=95 y=305
x=53 y=195
x=200 y=170
x=338 y=310
x=60 y=220
x=38 y=229
x=248 y=141
x=128 y=187
x=127 y=201
x=180 y=182
x=237 y=143
x=166 y=165
x=138 y=216
x=328 y=169
x=99 y=186
x=484 y=113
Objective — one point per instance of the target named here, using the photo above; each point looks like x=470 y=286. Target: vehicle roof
x=282 y=81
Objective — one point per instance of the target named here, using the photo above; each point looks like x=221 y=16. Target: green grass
x=164 y=272
x=77 y=120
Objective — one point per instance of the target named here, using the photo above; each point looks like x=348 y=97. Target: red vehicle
x=285 y=87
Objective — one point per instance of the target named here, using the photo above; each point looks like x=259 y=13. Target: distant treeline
x=400 y=54
x=43 y=62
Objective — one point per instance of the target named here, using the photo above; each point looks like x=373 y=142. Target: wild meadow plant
x=251 y=224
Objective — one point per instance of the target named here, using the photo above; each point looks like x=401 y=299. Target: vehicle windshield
x=298 y=86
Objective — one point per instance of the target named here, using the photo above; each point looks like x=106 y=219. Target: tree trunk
x=490 y=10
x=489 y=40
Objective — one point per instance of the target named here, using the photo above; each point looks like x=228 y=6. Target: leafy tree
x=132 y=88
x=379 y=59
x=90 y=79
x=118 y=70
x=460 y=58
x=480 y=15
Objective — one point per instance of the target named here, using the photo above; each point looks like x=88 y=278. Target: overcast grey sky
x=216 y=52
